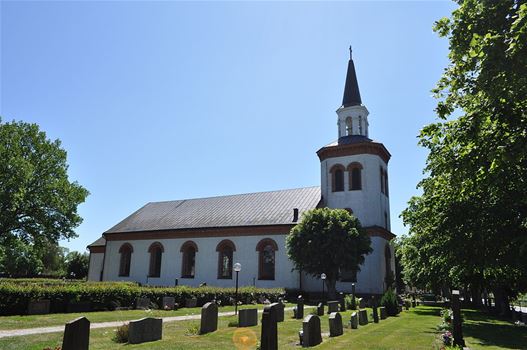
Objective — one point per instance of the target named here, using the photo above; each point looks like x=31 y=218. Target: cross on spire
x=350 y=53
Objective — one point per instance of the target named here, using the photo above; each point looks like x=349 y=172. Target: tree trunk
x=332 y=289
x=476 y=297
x=502 y=302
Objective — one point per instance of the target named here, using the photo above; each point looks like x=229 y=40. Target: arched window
x=156 y=251
x=385 y=220
x=386 y=183
x=349 y=126
x=126 y=251
x=225 y=251
x=266 y=258
x=355 y=176
x=382 y=180
x=188 y=263
x=360 y=124
x=337 y=178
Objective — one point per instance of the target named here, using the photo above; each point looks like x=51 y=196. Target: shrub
x=351 y=302
x=232 y=324
x=389 y=301
x=121 y=334
x=192 y=329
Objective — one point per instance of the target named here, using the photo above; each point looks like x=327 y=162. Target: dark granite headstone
x=311 y=331
x=362 y=303
x=142 y=303
x=280 y=311
x=191 y=302
x=363 y=317
x=247 y=317
x=77 y=334
x=38 y=307
x=333 y=306
x=145 y=330
x=375 y=314
x=269 y=335
x=335 y=324
x=209 y=318
x=382 y=312
x=354 y=321
x=299 y=308
x=320 y=309
x=169 y=303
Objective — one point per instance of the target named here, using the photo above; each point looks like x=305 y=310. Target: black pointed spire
x=351 y=90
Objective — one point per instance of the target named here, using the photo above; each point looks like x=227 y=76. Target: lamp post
x=237 y=269
x=323 y=278
x=353 y=295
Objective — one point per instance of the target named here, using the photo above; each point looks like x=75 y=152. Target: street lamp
x=323 y=278
x=237 y=269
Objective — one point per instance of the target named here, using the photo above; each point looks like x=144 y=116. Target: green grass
x=413 y=329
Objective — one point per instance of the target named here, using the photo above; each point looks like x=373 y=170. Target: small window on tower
x=337 y=178
x=360 y=124
x=349 y=126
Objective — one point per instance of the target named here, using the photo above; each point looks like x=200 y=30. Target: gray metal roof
x=101 y=242
x=251 y=209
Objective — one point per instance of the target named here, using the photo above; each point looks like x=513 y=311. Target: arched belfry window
x=349 y=126
x=360 y=124
x=126 y=251
x=355 y=176
x=383 y=183
x=225 y=251
x=266 y=249
x=337 y=178
x=156 y=252
x=188 y=263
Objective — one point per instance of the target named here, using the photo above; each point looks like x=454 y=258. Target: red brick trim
x=374 y=148
x=377 y=231
x=126 y=246
x=96 y=249
x=266 y=241
x=156 y=245
x=224 y=244
x=189 y=244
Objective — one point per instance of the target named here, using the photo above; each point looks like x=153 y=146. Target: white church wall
x=368 y=204
x=370 y=280
x=206 y=268
x=95 y=266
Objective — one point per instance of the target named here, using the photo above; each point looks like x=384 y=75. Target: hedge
x=14 y=297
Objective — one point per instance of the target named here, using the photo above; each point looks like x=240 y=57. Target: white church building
x=194 y=241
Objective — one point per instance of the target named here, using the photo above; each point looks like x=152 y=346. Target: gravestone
x=247 y=317
x=299 y=313
x=142 y=303
x=342 y=302
x=363 y=317
x=191 y=302
x=145 y=330
x=320 y=309
x=269 y=335
x=280 y=310
x=382 y=312
x=362 y=303
x=38 y=307
x=354 y=321
x=311 y=335
x=375 y=314
x=333 y=306
x=335 y=324
x=169 y=303
x=76 y=334
x=209 y=318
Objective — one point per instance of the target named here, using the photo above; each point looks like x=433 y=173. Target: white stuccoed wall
x=206 y=262
x=95 y=267
x=368 y=204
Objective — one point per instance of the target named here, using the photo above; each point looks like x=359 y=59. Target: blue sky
x=169 y=100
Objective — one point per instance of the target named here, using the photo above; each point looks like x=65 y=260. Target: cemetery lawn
x=413 y=329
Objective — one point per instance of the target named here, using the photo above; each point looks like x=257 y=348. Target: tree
x=328 y=241
x=469 y=228
x=77 y=265
x=37 y=200
x=19 y=259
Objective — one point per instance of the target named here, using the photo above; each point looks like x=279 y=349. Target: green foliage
x=121 y=334
x=14 y=296
x=77 y=265
x=389 y=301
x=233 y=323
x=469 y=226
x=351 y=302
x=192 y=329
x=328 y=241
x=37 y=200
x=19 y=259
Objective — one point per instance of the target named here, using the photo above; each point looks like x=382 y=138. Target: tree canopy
x=469 y=226
x=328 y=241
x=37 y=200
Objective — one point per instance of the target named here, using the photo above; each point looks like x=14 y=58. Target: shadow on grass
x=488 y=331
x=422 y=311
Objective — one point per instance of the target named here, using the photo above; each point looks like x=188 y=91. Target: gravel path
x=56 y=329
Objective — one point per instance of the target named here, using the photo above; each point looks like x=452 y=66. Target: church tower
x=354 y=176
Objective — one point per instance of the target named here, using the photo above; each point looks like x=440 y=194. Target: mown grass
x=413 y=329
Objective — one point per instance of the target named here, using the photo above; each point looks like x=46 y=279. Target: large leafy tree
x=469 y=227
x=328 y=241
x=38 y=202
x=77 y=265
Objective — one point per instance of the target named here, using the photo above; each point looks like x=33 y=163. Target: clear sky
x=170 y=100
